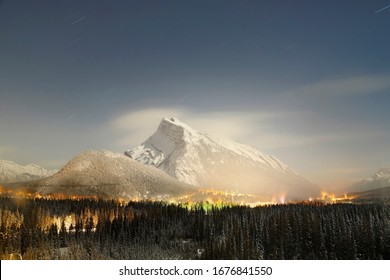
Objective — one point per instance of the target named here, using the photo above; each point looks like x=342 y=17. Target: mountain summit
x=199 y=159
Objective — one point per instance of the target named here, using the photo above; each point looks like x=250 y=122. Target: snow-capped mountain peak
x=173 y=134
x=199 y=159
x=175 y=129
x=383 y=173
x=12 y=172
x=379 y=179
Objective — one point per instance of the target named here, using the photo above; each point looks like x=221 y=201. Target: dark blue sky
x=307 y=81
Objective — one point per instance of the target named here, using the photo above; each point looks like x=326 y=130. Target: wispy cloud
x=264 y=130
x=357 y=85
x=334 y=136
x=136 y=126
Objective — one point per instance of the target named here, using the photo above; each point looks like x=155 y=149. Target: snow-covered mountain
x=201 y=160
x=380 y=179
x=11 y=172
x=110 y=175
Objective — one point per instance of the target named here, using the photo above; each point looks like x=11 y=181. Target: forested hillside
x=91 y=229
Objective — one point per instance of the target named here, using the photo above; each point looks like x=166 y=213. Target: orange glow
x=332 y=198
x=223 y=197
x=211 y=196
x=282 y=198
x=29 y=194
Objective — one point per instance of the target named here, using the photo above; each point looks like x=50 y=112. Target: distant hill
x=110 y=175
x=381 y=194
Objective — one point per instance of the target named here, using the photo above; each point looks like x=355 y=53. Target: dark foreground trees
x=90 y=229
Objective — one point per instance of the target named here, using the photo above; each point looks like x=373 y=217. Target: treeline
x=90 y=229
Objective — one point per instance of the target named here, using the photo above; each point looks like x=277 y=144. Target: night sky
x=305 y=81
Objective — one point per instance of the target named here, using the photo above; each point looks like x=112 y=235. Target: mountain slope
x=381 y=194
x=377 y=180
x=11 y=172
x=110 y=175
x=198 y=159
